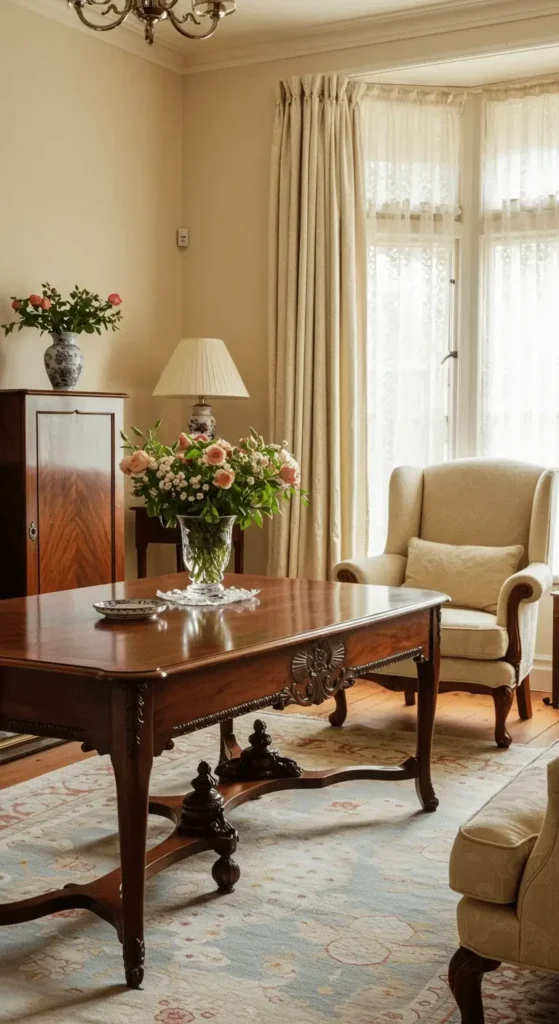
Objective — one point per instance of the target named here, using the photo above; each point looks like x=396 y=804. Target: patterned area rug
x=342 y=916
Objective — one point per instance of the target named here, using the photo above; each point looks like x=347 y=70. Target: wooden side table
x=149 y=530
x=554 y=699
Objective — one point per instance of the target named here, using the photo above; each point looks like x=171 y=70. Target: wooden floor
x=458 y=714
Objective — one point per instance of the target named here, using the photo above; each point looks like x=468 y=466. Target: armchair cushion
x=467 y=633
x=471 y=575
x=491 y=850
x=461 y=670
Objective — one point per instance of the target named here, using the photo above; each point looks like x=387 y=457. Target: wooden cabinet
x=61 y=510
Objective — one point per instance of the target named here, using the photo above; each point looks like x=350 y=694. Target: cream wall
x=228 y=118
x=90 y=138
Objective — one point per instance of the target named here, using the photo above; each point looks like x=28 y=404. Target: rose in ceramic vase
x=83 y=312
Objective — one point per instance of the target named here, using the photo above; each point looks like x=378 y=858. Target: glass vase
x=206 y=550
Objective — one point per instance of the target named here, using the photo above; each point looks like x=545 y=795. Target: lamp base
x=202 y=420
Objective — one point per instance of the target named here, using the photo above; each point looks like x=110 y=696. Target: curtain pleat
x=317 y=325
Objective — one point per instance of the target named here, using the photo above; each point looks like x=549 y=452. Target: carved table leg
x=132 y=717
x=465 y=975
x=427 y=692
x=228 y=741
x=503 y=697
x=339 y=716
x=258 y=761
x=203 y=815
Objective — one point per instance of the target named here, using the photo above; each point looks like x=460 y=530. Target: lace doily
x=229 y=596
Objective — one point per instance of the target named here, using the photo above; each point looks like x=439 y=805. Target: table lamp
x=201 y=367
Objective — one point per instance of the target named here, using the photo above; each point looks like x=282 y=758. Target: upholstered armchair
x=482 y=502
x=505 y=864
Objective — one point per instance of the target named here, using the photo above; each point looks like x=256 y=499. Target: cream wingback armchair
x=486 y=503
x=505 y=865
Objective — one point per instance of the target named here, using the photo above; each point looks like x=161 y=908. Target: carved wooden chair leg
x=502 y=698
x=524 y=699
x=339 y=716
x=465 y=975
x=409 y=694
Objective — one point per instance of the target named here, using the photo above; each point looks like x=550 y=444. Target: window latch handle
x=449 y=355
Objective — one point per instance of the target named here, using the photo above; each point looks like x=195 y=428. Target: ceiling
x=268 y=30
x=265 y=18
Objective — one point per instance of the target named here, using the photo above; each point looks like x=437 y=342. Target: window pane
x=521 y=159
x=408 y=336
x=413 y=157
x=520 y=368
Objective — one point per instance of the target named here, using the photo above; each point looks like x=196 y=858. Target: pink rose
x=46 y=303
x=36 y=300
x=224 y=478
x=225 y=445
x=139 y=461
x=114 y=299
x=16 y=304
x=125 y=465
x=289 y=474
x=214 y=455
x=184 y=441
x=200 y=437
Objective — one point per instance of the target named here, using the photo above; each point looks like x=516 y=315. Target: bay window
x=463 y=279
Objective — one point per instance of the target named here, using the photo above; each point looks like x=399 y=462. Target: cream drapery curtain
x=318 y=319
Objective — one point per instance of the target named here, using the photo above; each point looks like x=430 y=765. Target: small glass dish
x=136 y=609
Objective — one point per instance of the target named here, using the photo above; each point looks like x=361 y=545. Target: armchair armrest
x=528 y=585
x=386 y=570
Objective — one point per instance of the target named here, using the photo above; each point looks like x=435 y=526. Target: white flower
x=199 y=496
x=160 y=473
x=162 y=485
x=250 y=480
x=205 y=487
x=183 y=496
x=191 y=498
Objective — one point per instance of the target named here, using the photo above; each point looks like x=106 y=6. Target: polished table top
x=63 y=628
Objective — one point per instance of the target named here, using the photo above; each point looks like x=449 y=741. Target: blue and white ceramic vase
x=64 y=361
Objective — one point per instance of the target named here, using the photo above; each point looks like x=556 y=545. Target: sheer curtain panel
x=520 y=321
x=317 y=324
x=413 y=222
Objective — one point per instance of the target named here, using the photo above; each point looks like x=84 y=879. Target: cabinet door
x=75 y=480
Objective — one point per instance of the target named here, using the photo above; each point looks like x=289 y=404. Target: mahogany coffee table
x=129 y=689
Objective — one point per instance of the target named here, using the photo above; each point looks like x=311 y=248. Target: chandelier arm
x=105 y=28
x=178 y=22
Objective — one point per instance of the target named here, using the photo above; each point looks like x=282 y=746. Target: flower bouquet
x=206 y=487
x=84 y=312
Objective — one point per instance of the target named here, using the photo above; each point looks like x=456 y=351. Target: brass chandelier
x=206 y=14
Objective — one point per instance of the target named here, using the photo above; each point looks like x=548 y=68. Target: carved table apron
x=135 y=715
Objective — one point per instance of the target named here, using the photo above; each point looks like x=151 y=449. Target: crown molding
x=431 y=20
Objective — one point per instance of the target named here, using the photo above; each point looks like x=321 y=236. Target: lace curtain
x=520 y=311
x=413 y=215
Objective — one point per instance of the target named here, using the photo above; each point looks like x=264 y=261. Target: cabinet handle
x=33 y=531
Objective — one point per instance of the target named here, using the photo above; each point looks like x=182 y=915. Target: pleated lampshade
x=201 y=367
